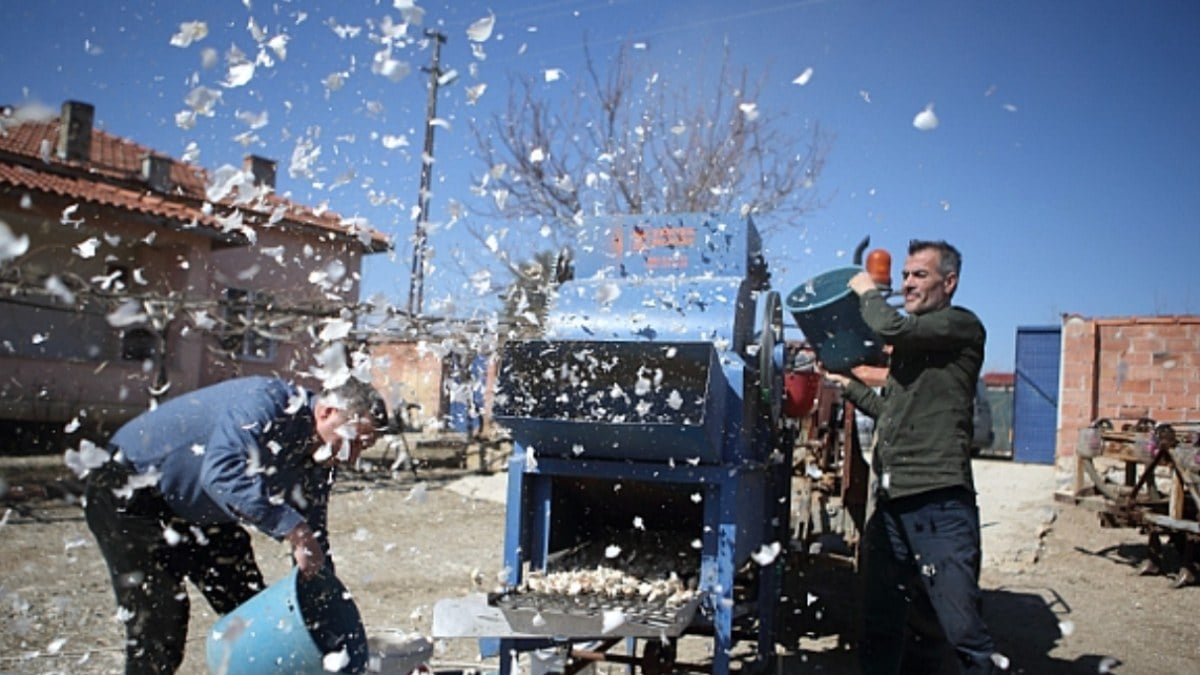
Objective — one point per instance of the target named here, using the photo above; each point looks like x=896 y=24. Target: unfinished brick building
x=1126 y=369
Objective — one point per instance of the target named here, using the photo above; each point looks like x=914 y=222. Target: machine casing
x=653 y=398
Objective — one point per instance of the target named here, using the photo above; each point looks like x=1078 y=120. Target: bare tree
x=628 y=141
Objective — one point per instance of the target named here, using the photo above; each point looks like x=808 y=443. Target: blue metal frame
x=728 y=491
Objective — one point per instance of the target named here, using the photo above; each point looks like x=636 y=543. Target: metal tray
x=586 y=616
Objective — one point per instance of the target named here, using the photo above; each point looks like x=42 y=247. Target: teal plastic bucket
x=290 y=627
x=828 y=312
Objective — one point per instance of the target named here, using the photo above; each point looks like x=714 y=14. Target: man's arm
x=315 y=491
x=856 y=392
x=307 y=550
x=231 y=475
x=231 y=481
x=934 y=330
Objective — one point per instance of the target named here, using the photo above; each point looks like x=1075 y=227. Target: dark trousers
x=149 y=554
x=921 y=566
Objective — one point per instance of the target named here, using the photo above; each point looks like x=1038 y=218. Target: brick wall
x=407 y=373
x=1125 y=369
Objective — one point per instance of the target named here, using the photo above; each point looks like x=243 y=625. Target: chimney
x=156 y=171
x=75 y=131
x=262 y=169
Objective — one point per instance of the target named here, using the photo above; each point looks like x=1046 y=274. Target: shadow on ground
x=1026 y=622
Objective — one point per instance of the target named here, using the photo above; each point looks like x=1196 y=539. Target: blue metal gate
x=1035 y=395
x=466 y=381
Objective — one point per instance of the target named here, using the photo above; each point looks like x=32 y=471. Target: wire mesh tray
x=592 y=616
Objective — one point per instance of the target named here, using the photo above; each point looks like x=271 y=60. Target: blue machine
x=655 y=396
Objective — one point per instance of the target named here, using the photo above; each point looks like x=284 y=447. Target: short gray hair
x=359 y=399
x=950 y=260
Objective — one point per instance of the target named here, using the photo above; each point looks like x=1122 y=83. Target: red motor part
x=879 y=266
x=800 y=392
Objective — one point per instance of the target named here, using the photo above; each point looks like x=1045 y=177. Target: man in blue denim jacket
x=921 y=550
x=186 y=476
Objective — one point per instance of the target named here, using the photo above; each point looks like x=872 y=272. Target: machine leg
x=658 y=658
x=515 y=536
x=1152 y=564
x=770 y=586
x=508 y=651
x=723 y=600
x=717 y=569
x=1187 y=569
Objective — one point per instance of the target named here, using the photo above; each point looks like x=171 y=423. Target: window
x=243 y=333
x=139 y=344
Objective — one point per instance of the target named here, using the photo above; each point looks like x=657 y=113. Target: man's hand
x=837 y=378
x=861 y=283
x=306 y=550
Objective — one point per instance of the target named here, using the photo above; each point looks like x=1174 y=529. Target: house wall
x=107 y=212
x=294 y=272
x=63 y=360
x=1125 y=369
x=406 y=372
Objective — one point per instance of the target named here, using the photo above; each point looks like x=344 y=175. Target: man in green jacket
x=921 y=550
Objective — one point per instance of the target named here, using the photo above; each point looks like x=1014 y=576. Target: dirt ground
x=1061 y=593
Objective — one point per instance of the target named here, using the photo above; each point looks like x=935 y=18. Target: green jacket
x=924 y=414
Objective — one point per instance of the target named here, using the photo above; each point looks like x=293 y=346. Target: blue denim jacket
x=239 y=450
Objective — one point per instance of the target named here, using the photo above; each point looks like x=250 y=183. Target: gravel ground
x=1061 y=593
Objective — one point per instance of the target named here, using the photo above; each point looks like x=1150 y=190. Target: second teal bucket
x=828 y=312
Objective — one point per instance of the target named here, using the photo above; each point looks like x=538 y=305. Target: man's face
x=343 y=438
x=925 y=289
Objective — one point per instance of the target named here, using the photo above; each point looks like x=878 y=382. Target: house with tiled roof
x=128 y=275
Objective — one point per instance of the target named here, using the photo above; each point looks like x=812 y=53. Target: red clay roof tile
x=113 y=177
x=997 y=379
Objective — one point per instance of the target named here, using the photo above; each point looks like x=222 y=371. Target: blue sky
x=1064 y=164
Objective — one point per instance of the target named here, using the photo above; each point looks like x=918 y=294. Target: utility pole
x=416 y=285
